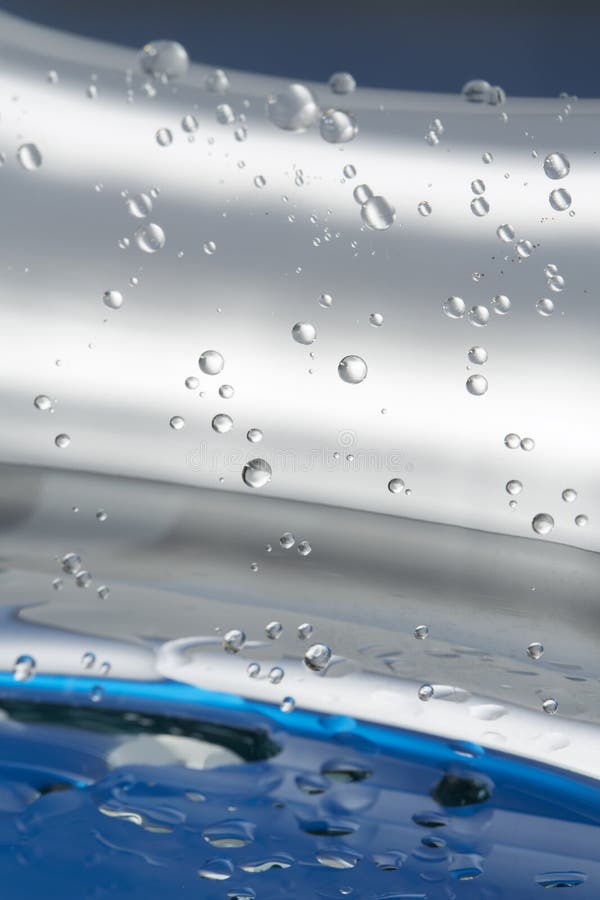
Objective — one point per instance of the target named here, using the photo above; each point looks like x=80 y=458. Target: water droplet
x=352 y=369
x=556 y=165
x=550 y=706
x=234 y=640
x=581 y=521
x=512 y=441
x=224 y=114
x=325 y=300
x=377 y=214
x=164 y=60
x=556 y=283
x=543 y=523
x=317 y=657
x=192 y=383
x=487 y=157
x=535 y=650
x=376 y=319
x=304 y=333
x=395 y=486
x=62 y=441
x=226 y=391
x=70 y=563
x=257 y=473
x=500 y=304
x=569 y=495
x=52 y=76
x=216 y=870
x=514 y=487
x=24 y=668
x=342 y=83
x=479 y=316
x=478 y=356
x=304 y=548
x=57 y=584
x=83 y=579
x=105 y=669
x=293 y=109
x=101 y=515
x=254 y=435
x=211 y=362
x=150 y=238
x=209 y=247
x=217 y=82
x=550 y=270
x=139 y=206
x=88 y=659
x=362 y=193
x=424 y=208
x=454 y=307
x=177 y=423
x=254 y=567
x=506 y=233
x=123 y=243
x=42 y=402
x=189 y=124
x=477 y=385
x=560 y=199
x=478 y=186
x=112 y=299
x=560 y=879
x=425 y=692
x=29 y=156
x=260 y=181
x=288 y=705
x=480 y=206
x=287 y=540
x=479 y=91
x=527 y=444
x=222 y=423
x=421 y=632
x=524 y=249
x=349 y=171
x=274 y=630
x=164 y=137
x=103 y=592
x=545 y=306
x=337 y=126
x=276 y=675
x=253 y=670
x=304 y=631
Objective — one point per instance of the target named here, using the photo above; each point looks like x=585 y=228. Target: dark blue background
x=529 y=48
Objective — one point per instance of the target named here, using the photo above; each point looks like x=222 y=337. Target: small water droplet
x=524 y=249
x=304 y=548
x=477 y=385
x=478 y=316
x=513 y=487
x=478 y=356
x=101 y=515
x=506 y=233
x=545 y=306
x=139 y=206
x=209 y=247
x=260 y=181
x=83 y=579
x=24 y=668
x=29 y=157
x=375 y=319
x=189 y=123
x=421 y=632
x=480 y=206
x=217 y=82
x=253 y=670
x=487 y=157
x=96 y=694
x=42 y=402
x=527 y=444
x=349 y=171
x=425 y=692
x=569 y=495
x=342 y=83
x=254 y=435
x=479 y=91
x=177 y=423
x=550 y=706
x=226 y=391
x=304 y=631
x=424 y=208
x=62 y=441
x=276 y=675
x=559 y=199
x=274 y=630
x=325 y=300
x=164 y=137
x=512 y=441
x=288 y=705
x=501 y=304
x=192 y=383
x=362 y=193
x=581 y=521
x=88 y=659
x=103 y=592
x=478 y=186
x=535 y=650
x=395 y=486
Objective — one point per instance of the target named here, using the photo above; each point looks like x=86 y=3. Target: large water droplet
x=543 y=523
x=556 y=165
x=377 y=213
x=257 y=473
x=477 y=385
x=29 y=156
x=352 y=369
x=211 y=362
x=150 y=238
x=317 y=657
x=293 y=109
x=304 y=333
x=164 y=60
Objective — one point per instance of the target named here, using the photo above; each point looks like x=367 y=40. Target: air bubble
x=326 y=301
x=424 y=208
x=480 y=206
x=506 y=233
x=209 y=247
x=478 y=186
x=545 y=306
x=479 y=316
x=139 y=206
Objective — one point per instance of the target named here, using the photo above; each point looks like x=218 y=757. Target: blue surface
x=339 y=792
